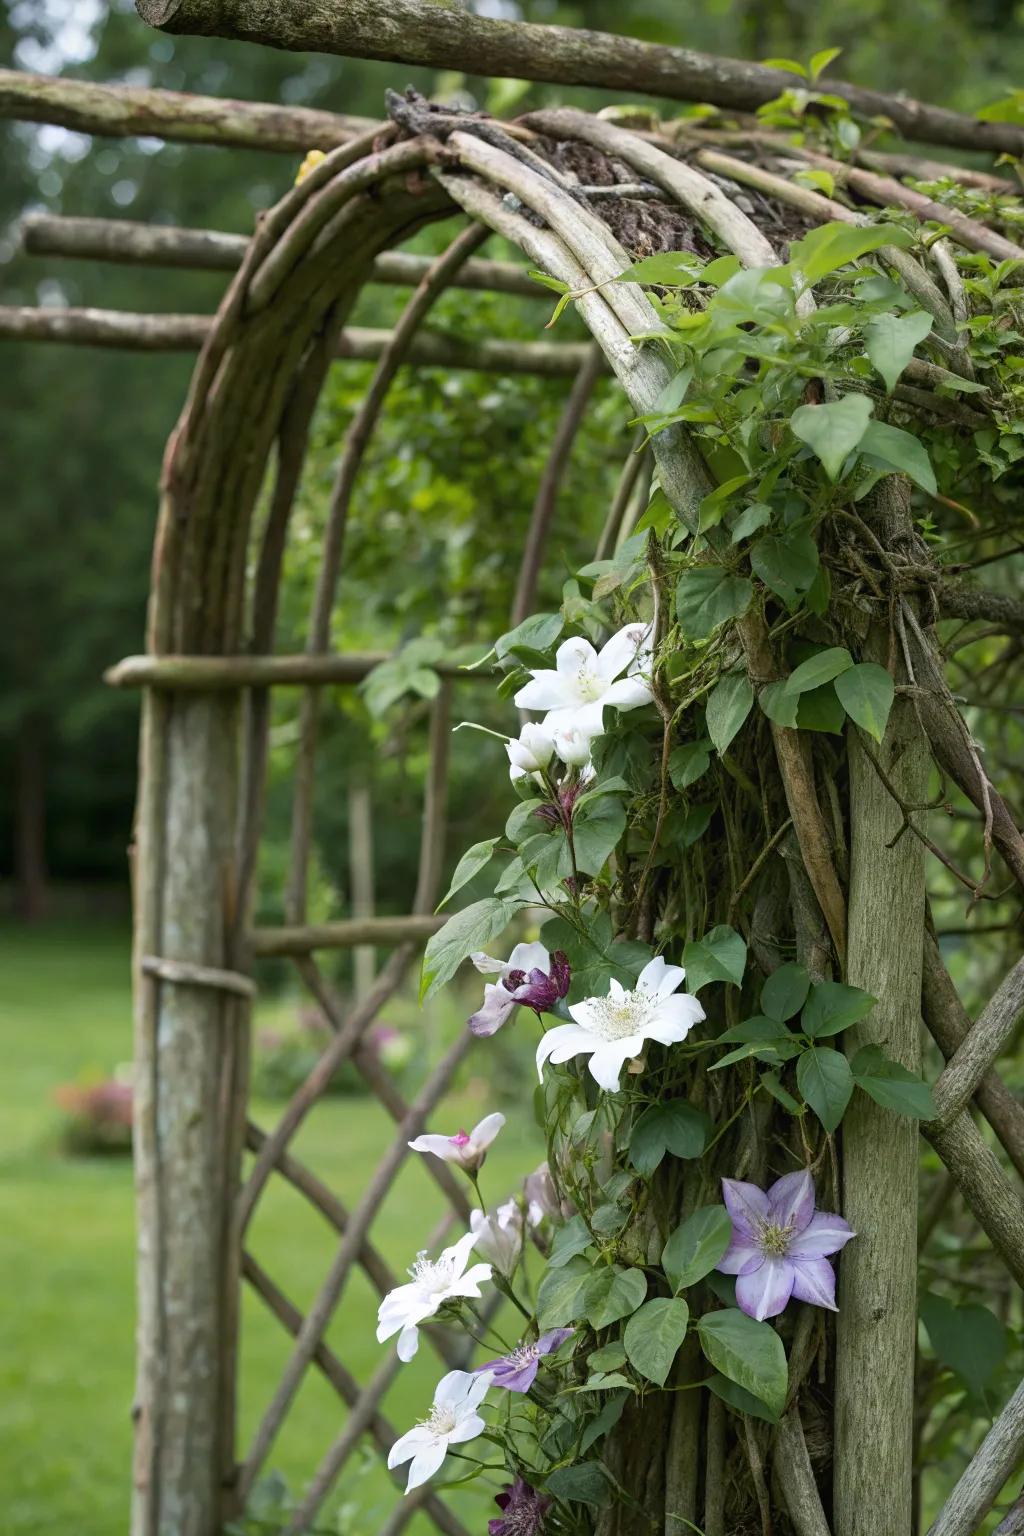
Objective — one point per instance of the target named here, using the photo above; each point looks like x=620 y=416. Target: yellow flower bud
x=313 y=158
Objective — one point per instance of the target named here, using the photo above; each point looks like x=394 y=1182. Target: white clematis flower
x=585 y=681
x=573 y=745
x=612 y=1030
x=498 y=1236
x=434 y=1281
x=468 y=1150
x=531 y=753
x=453 y=1420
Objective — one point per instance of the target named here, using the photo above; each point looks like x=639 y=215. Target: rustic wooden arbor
x=562 y=187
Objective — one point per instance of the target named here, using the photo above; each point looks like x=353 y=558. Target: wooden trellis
x=210 y=666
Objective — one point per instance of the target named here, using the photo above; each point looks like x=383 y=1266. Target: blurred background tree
x=84 y=430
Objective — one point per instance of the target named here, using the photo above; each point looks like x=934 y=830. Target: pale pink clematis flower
x=780 y=1245
x=467 y=1149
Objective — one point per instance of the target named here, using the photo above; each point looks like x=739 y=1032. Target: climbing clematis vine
x=613 y=1030
x=433 y=1282
x=780 y=1245
x=529 y=976
x=467 y=1149
x=454 y=1419
x=584 y=681
x=517 y=1371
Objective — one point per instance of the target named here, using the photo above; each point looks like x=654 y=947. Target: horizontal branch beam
x=136 y=332
x=346 y=934
x=201 y=674
x=214 y=250
x=118 y=111
x=445 y=37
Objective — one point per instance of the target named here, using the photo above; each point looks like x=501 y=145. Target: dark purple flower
x=530 y=977
x=522 y=1511
x=518 y=1371
x=779 y=1245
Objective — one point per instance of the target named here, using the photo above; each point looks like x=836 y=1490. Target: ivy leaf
x=728 y=706
x=689 y=763
x=559 y=1299
x=472 y=862
x=747 y=1352
x=720 y=955
x=612 y=1293
x=472 y=928
x=708 y=596
x=787 y=563
x=834 y=1006
x=970 y=1340
x=892 y=1085
x=866 y=692
x=819 y=669
x=890 y=341
x=833 y=431
x=696 y=1246
x=674 y=1127
x=826 y=1082
x=653 y=1336
x=898 y=453
x=785 y=992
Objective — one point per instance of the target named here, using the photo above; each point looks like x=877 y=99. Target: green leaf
x=728 y=706
x=611 y=1293
x=892 y=1085
x=522 y=822
x=721 y=955
x=739 y=1398
x=750 y=520
x=696 y=1246
x=834 y=1006
x=607 y=1419
x=559 y=1295
x=899 y=453
x=785 y=992
x=826 y=1082
x=596 y=957
x=653 y=1335
x=835 y=245
x=668 y=269
x=747 y=1352
x=820 y=710
x=596 y=828
x=770 y=1083
x=570 y=1240
x=689 y=762
x=712 y=509
x=821 y=60
x=584 y=1483
x=708 y=596
x=611 y=1357
x=833 y=431
x=537 y=633
x=779 y=704
x=471 y=929
x=818 y=669
x=674 y=1127
x=866 y=692
x=472 y=862
x=890 y=341
x=787 y=563
x=970 y=1340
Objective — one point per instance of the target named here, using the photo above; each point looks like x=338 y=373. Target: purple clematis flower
x=530 y=976
x=522 y=1511
x=780 y=1245
x=518 y=1371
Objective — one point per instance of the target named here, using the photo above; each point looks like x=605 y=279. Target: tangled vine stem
x=797 y=850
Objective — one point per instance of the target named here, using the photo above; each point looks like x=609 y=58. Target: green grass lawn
x=66 y=1281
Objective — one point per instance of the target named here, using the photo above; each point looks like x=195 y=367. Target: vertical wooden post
x=190 y=1073
x=361 y=890
x=878 y=1273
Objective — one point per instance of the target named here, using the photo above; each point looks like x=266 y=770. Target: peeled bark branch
x=442 y=37
x=115 y=111
x=960 y=602
x=346 y=934
x=996 y=1205
x=982 y=1046
x=994 y=1461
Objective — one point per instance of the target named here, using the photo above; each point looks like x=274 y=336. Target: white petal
x=408 y=1343
x=608 y=1060
x=622 y=650
x=459 y=1253
x=471 y=1281
x=627 y=693
x=426 y=1464
x=616 y=989
x=553 y=1040
x=546 y=690
x=487 y=964
x=528 y=957
x=586 y=1012
x=478 y=1391
x=467 y=1429
x=573 y=655
x=681 y=1008
x=440 y=1146
x=453 y=1388
x=484 y=1133
x=659 y=977
x=665 y=1032
x=406 y=1447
